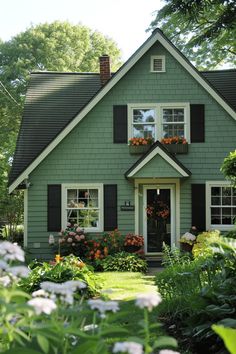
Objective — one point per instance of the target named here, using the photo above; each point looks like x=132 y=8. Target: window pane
x=226 y=200
x=215 y=201
x=226 y=216
x=93 y=198
x=88 y=218
x=72 y=216
x=173 y=130
x=215 y=191
x=226 y=191
x=144 y=131
x=72 y=200
x=216 y=215
x=173 y=115
x=143 y=115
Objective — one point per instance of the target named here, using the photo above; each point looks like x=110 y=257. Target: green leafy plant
x=123 y=262
x=229 y=167
x=70 y=268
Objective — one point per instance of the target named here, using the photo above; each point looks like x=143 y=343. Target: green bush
x=71 y=268
x=123 y=262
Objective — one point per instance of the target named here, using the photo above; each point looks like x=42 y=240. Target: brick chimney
x=105 y=71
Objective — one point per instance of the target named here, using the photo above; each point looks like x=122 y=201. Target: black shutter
x=199 y=206
x=110 y=207
x=197 y=123
x=54 y=207
x=120 y=121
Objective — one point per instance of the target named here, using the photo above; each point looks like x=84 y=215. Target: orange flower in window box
x=140 y=145
x=176 y=144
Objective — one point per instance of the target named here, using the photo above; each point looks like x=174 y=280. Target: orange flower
x=58 y=258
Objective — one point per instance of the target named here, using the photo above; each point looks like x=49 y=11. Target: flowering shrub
x=188 y=238
x=70 y=268
x=72 y=241
x=174 y=140
x=134 y=240
x=141 y=141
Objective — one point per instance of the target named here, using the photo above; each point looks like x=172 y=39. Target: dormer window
x=158 y=63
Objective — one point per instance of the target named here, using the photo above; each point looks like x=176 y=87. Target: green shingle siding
x=88 y=154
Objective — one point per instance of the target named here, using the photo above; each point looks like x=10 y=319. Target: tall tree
x=59 y=46
x=204 y=30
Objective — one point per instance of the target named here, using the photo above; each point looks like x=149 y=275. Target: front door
x=158 y=217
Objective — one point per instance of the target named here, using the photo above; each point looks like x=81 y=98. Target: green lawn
x=126 y=285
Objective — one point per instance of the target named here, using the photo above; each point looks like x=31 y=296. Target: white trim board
x=156 y=36
x=166 y=157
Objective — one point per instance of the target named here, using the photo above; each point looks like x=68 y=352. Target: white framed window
x=162 y=120
x=82 y=204
x=158 y=64
x=220 y=205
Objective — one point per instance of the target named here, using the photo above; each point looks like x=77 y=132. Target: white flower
x=168 y=351
x=20 y=271
x=128 y=347
x=5 y=281
x=11 y=251
x=42 y=305
x=40 y=293
x=103 y=306
x=148 y=300
x=75 y=284
x=188 y=237
x=3 y=265
x=63 y=288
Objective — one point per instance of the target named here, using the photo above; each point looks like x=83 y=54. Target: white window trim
x=210 y=184
x=98 y=186
x=158 y=107
x=153 y=57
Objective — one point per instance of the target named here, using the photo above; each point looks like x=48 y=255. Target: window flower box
x=140 y=145
x=176 y=145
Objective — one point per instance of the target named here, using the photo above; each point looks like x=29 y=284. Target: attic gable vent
x=158 y=64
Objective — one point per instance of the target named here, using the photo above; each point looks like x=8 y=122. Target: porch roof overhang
x=158 y=162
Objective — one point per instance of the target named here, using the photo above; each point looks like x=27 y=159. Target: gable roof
x=157 y=149
x=52 y=101
x=224 y=81
x=20 y=173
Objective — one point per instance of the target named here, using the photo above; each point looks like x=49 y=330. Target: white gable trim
x=166 y=157
x=157 y=36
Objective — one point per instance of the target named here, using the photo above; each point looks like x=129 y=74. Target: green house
x=74 y=162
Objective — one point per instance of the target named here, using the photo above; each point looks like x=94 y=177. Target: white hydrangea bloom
x=148 y=301
x=5 y=281
x=42 y=305
x=75 y=284
x=40 y=293
x=19 y=271
x=3 y=265
x=188 y=237
x=103 y=306
x=62 y=288
x=128 y=347
x=11 y=252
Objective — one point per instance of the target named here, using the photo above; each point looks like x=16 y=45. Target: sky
x=125 y=21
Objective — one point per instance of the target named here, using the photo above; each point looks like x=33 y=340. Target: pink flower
x=82 y=237
x=68 y=224
x=69 y=240
x=72 y=233
x=77 y=237
x=78 y=229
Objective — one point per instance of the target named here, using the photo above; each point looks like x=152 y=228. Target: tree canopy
x=204 y=30
x=59 y=46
